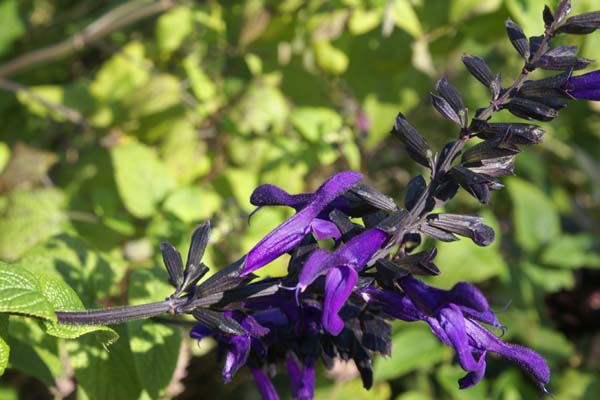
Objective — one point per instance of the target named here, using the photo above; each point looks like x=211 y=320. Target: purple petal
x=200 y=332
x=324 y=229
x=452 y=322
x=395 y=304
x=467 y=295
x=473 y=377
x=317 y=264
x=307 y=381
x=338 y=285
x=588 y=81
x=591 y=94
x=271 y=195
x=361 y=248
x=429 y=299
x=239 y=348
x=249 y=323
x=293 y=373
x=527 y=359
x=287 y=235
x=264 y=385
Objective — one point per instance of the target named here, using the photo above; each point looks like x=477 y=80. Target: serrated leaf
x=535 y=218
x=27 y=218
x=4 y=347
x=63 y=298
x=88 y=272
x=142 y=179
x=21 y=293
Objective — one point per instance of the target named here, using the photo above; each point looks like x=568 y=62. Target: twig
x=67 y=112
x=117 y=18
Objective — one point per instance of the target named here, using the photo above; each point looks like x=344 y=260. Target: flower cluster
x=355 y=254
x=337 y=301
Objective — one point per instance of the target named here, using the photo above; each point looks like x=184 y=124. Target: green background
x=138 y=137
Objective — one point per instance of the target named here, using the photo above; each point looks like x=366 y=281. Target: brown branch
x=119 y=17
x=68 y=113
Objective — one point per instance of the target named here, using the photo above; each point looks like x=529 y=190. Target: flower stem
x=115 y=315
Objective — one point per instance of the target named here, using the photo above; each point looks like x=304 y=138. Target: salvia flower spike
x=343 y=297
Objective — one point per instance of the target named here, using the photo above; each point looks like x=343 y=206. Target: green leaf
x=172 y=28
x=550 y=279
x=88 y=272
x=63 y=298
x=141 y=177
x=406 y=18
x=202 y=86
x=152 y=344
x=362 y=21
x=28 y=217
x=574 y=384
x=413 y=347
x=53 y=94
x=353 y=390
x=573 y=251
x=242 y=183
x=21 y=293
x=8 y=393
x=4 y=155
x=315 y=122
x=463 y=9
x=535 y=218
x=263 y=109
x=102 y=374
x=528 y=14
x=4 y=347
x=330 y=59
x=34 y=352
x=192 y=203
x=184 y=154
x=12 y=26
x=120 y=76
x=512 y=385
x=39 y=295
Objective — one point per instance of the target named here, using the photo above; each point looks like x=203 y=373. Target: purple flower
x=264 y=385
x=237 y=348
x=289 y=234
x=341 y=269
x=586 y=86
x=454 y=316
x=302 y=380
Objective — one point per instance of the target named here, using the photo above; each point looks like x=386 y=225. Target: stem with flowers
x=338 y=303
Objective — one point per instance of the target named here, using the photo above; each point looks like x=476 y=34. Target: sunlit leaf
x=141 y=177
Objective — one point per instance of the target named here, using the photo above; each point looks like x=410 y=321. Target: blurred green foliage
x=139 y=136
